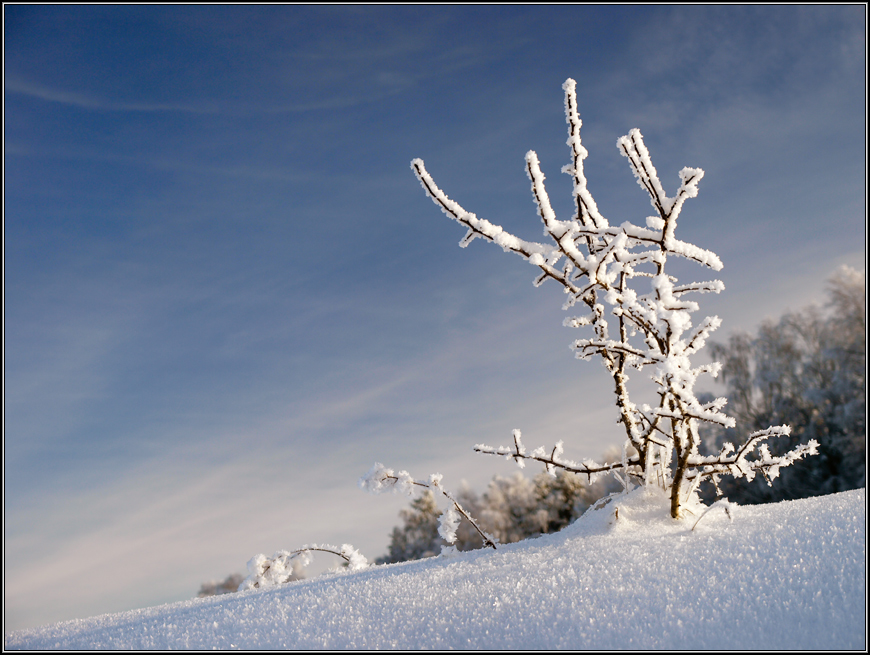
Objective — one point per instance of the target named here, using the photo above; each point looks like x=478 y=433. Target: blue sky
x=226 y=295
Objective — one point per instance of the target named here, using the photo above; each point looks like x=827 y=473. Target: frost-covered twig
x=723 y=503
x=739 y=465
x=281 y=567
x=554 y=459
x=380 y=479
x=597 y=263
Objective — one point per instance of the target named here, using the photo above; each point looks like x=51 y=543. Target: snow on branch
x=555 y=460
x=536 y=253
x=587 y=210
x=281 y=567
x=638 y=315
x=381 y=479
x=738 y=464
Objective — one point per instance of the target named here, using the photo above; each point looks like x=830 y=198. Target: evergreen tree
x=418 y=537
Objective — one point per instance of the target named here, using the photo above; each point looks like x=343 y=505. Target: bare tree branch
x=655 y=328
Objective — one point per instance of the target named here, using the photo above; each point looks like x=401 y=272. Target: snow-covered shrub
x=642 y=326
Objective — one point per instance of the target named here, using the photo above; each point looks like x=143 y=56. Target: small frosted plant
x=639 y=317
x=286 y=565
x=380 y=479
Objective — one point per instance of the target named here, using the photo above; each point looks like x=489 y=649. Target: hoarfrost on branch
x=643 y=325
x=381 y=479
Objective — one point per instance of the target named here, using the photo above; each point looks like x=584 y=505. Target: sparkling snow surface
x=783 y=576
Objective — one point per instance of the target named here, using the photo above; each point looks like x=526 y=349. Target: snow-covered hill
x=784 y=576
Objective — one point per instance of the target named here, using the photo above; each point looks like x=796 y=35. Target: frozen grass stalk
x=381 y=479
x=637 y=316
x=281 y=567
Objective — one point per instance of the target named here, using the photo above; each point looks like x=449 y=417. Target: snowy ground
x=784 y=576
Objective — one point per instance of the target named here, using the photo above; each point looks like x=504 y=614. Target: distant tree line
x=216 y=588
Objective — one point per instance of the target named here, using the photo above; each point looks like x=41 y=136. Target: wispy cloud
x=194 y=166
x=92 y=102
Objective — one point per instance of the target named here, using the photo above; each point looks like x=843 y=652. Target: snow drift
x=783 y=576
